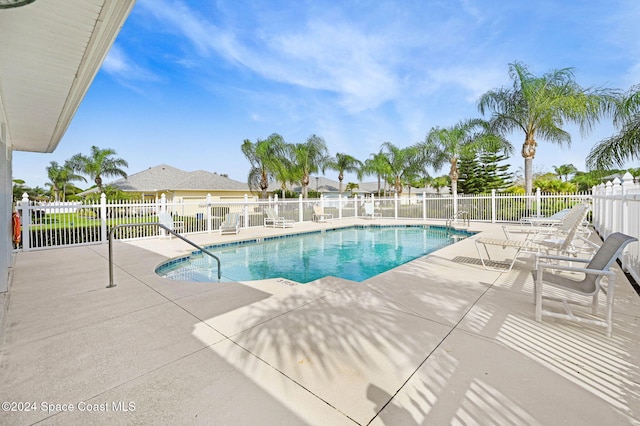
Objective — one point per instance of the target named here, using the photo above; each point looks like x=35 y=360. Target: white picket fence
x=616 y=208
x=53 y=225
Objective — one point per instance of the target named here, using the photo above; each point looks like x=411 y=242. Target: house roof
x=322 y=184
x=167 y=178
x=50 y=52
x=326 y=185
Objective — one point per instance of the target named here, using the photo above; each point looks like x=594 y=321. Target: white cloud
x=121 y=67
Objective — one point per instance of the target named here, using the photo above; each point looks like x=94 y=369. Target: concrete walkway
x=437 y=341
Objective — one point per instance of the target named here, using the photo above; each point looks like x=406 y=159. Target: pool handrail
x=160 y=225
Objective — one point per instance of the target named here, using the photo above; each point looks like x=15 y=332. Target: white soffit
x=50 y=51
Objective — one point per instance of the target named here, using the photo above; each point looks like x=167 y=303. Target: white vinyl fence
x=53 y=225
x=616 y=208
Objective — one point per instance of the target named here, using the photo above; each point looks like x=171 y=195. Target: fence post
x=103 y=219
x=208 y=214
x=494 y=210
x=455 y=204
x=627 y=186
x=340 y=206
x=538 y=202
x=26 y=222
x=395 y=203
x=602 y=191
x=609 y=208
x=163 y=203
x=300 y=211
x=245 y=211
x=356 y=211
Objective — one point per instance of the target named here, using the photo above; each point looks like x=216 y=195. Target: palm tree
x=61 y=177
x=345 y=163
x=564 y=171
x=377 y=165
x=267 y=159
x=309 y=157
x=466 y=137
x=403 y=164
x=53 y=172
x=437 y=183
x=614 y=151
x=540 y=106
x=100 y=163
x=351 y=186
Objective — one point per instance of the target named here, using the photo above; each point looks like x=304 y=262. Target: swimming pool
x=354 y=253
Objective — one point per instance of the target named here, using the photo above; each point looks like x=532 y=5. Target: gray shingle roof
x=164 y=177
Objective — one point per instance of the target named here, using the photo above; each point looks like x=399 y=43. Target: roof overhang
x=50 y=52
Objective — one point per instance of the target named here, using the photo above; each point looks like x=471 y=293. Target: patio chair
x=369 y=211
x=231 y=224
x=587 y=283
x=272 y=219
x=320 y=215
x=570 y=244
x=167 y=220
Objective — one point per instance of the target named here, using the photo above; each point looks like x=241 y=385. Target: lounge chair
x=320 y=215
x=370 y=211
x=554 y=219
x=558 y=224
x=569 y=244
x=588 y=282
x=272 y=219
x=231 y=224
x=167 y=220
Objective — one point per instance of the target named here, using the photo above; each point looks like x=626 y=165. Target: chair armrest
x=574 y=269
x=565 y=258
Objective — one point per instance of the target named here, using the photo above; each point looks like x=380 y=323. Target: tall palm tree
x=98 y=164
x=447 y=145
x=377 y=165
x=403 y=163
x=540 y=106
x=267 y=159
x=625 y=145
x=345 y=163
x=309 y=157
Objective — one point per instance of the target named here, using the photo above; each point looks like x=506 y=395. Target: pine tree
x=495 y=175
x=469 y=173
x=480 y=173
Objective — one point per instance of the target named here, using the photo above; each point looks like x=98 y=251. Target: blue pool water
x=354 y=253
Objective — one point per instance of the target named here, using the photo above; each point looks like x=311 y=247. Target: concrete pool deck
x=439 y=340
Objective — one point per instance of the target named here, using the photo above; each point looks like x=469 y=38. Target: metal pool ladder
x=160 y=225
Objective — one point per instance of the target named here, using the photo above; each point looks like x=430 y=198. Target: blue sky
x=186 y=82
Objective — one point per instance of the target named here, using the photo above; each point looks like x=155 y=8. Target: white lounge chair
x=231 y=224
x=587 y=283
x=167 y=220
x=561 y=244
x=558 y=224
x=545 y=220
x=272 y=219
x=370 y=211
x=320 y=215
